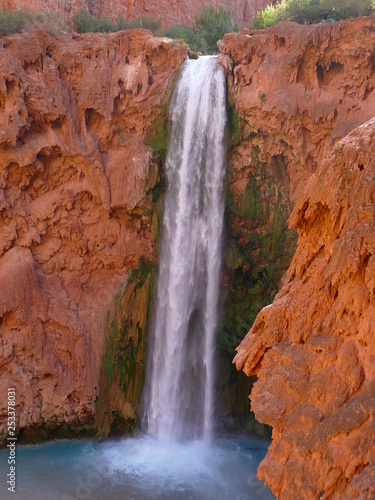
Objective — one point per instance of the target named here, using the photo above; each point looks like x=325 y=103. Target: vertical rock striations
x=171 y=12
x=78 y=177
x=313 y=349
x=293 y=92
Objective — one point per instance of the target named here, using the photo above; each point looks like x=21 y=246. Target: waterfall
x=180 y=372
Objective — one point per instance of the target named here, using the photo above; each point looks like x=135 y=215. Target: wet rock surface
x=313 y=348
x=78 y=174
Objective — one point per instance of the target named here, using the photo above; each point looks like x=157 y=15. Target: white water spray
x=180 y=379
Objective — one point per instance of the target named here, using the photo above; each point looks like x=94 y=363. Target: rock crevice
x=76 y=206
x=312 y=349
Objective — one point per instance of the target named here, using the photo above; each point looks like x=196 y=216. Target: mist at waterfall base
x=178 y=456
x=140 y=468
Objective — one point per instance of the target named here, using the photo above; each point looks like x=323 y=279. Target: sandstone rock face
x=298 y=90
x=294 y=91
x=76 y=182
x=313 y=349
x=170 y=11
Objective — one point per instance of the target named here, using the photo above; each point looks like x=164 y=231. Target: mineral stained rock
x=76 y=180
x=313 y=349
x=170 y=11
x=298 y=90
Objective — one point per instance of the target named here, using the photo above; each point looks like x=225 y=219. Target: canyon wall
x=294 y=92
x=83 y=131
x=313 y=349
x=298 y=90
x=170 y=11
x=80 y=122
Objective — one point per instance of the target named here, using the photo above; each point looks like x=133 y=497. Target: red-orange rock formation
x=313 y=349
x=294 y=91
x=75 y=204
x=171 y=12
x=298 y=90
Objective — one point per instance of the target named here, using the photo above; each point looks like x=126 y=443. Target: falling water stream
x=178 y=457
x=179 y=392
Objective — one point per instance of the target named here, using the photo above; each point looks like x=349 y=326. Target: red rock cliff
x=75 y=203
x=313 y=349
x=294 y=91
x=299 y=91
x=170 y=11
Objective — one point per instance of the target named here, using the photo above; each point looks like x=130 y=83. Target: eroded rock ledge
x=313 y=349
x=293 y=92
x=298 y=90
x=78 y=121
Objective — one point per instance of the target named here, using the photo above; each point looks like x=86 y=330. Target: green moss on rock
x=157 y=134
x=125 y=351
x=259 y=248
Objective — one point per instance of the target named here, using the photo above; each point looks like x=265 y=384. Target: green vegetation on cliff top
x=88 y=23
x=208 y=28
x=212 y=24
x=16 y=21
x=317 y=10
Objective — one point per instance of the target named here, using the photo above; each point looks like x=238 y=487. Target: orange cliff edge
x=76 y=178
x=300 y=91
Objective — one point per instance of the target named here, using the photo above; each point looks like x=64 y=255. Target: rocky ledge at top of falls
x=313 y=349
x=298 y=90
x=76 y=179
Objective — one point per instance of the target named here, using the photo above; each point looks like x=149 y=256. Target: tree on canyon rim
x=213 y=24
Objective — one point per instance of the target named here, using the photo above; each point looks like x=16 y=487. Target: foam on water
x=139 y=468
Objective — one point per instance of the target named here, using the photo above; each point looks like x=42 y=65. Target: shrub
x=25 y=20
x=267 y=17
x=298 y=10
x=212 y=25
x=14 y=21
x=147 y=23
x=344 y=9
x=209 y=27
x=87 y=23
x=196 y=41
